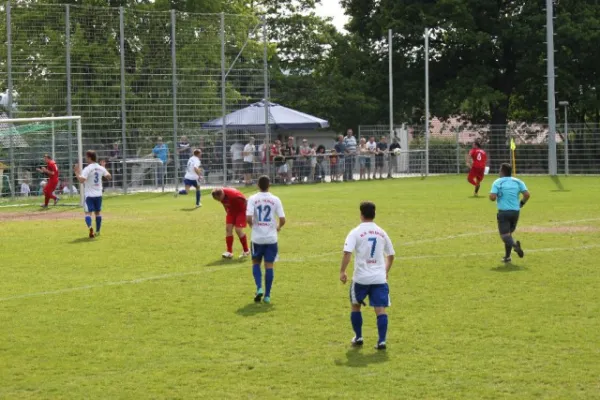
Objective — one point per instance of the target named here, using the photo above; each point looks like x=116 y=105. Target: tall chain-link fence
x=578 y=146
x=144 y=83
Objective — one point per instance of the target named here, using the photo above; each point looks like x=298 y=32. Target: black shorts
x=507 y=221
x=247 y=168
x=378 y=161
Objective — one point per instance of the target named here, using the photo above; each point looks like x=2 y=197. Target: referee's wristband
x=522 y=203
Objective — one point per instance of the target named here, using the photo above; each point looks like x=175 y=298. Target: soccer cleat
x=44 y=206
x=519 y=250
x=258 y=296
x=380 y=346
x=92 y=233
x=245 y=254
x=198 y=205
x=97 y=234
x=506 y=260
x=228 y=255
x=56 y=200
x=357 y=342
x=267 y=300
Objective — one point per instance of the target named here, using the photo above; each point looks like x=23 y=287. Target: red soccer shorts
x=237 y=219
x=476 y=173
x=50 y=187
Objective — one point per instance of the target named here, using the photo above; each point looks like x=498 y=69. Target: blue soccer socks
x=98 y=223
x=197 y=197
x=257 y=276
x=382 y=325
x=357 y=321
x=269 y=276
x=88 y=221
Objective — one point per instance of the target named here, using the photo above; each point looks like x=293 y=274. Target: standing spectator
x=161 y=151
x=114 y=165
x=321 y=159
x=237 y=157
x=371 y=150
x=290 y=154
x=382 y=147
x=313 y=162
x=350 y=142
x=304 y=167
x=279 y=161
x=184 y=150
x=334 y=160
x=340 y=150
x=362 y=158
x=248 y=155
x=25 y=189
x=394 y=159
x=262 y=156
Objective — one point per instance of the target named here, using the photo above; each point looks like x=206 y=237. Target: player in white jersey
x=192 y=176
x=373 y=258
x=91 y=177
x=264 y=213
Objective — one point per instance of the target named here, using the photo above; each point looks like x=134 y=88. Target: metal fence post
x=426 y=102
x=267 y=100
x=11 y=150
x=457 y=152
x=566 y=141
x=174 y=83
x=223 y=99
x=69 y=89
x=551 y=95
x=123 y=99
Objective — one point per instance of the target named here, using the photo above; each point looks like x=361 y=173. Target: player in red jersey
x=51 y=171
x=476 y=160
x=235 y=206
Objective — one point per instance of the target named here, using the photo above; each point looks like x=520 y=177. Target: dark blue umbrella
x=252 y=118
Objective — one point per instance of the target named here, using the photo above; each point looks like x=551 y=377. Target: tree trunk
x=497 y=145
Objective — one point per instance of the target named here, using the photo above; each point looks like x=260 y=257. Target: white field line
x=237 y=266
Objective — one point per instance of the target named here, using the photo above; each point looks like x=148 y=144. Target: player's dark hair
x=216 y=194
x=367 y=210
x=48 y=156
x=91 y=154
x=506 y=169
x=197 y=152
x=477 y=144
x=263 y=183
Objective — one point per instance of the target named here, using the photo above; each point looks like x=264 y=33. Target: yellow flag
x=513 y=145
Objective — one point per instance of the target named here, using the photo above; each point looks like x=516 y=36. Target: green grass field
x=149 y=310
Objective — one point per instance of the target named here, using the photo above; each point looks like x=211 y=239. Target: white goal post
x=75 y=118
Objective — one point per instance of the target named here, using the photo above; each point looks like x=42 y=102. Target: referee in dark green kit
x=506 y=190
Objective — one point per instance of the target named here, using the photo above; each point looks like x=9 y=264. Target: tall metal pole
x=426 y=101
x=267 y=99
x=566 y=140
x=551 y=99
x=391 y=82
x=69 y=88
x=174 y=84
x=123 y=98
x=53 y=130
x=9 y=110
x=223 y=98
x=457 y=152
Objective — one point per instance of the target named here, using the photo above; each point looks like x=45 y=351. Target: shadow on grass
x=189 y=209
x=558 y=184
x=253 y=309
x=508 y=268
x=477 y=197
x=224 y=261
x=356 y=358
x=82 y=240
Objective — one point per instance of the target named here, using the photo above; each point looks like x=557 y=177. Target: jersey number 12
x=267 y=216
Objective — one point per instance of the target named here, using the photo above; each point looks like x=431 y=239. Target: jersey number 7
x=373 y=245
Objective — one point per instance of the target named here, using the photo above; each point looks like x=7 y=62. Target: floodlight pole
x=551 y=79
x=174 y=89
x=123 y=99
x=426 y=101
x=223 y=99
x=10 y=97
x=267 y=99
x=565 y=104
x=391 y=82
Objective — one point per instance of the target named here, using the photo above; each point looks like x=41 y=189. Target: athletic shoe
x=267 y=300
x=228 y=255
x=44 y=206
x=198 y=205
x=506 y=260
x=97 y=234
x=56 y=201
x=258 y=296
x=357 y=342
x=519 y=250
x=380 y=346
x=245 y=254
x=92 y=233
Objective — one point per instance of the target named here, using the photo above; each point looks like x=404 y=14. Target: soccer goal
x=23 y=144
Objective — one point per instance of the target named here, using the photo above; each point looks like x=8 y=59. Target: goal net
x=23 y=144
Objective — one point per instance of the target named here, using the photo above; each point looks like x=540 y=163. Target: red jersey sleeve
x=54 y=169
x=236 y=201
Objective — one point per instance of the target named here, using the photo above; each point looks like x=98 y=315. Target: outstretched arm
x=345 y=261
